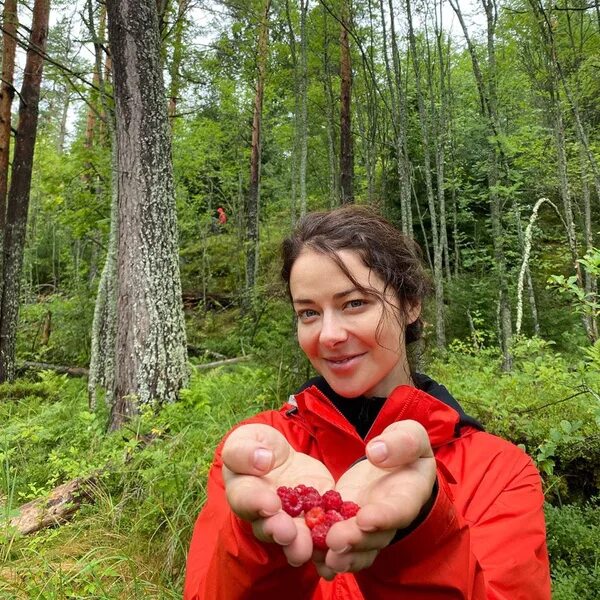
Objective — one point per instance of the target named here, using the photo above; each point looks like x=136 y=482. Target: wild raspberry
x=349 y=509
x=319 y=533
x=301 y=489
x=310 y=499
x=333 y=516
x=290 y=501
x=331 y=500
x=315 y=516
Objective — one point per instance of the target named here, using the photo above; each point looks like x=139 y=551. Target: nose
x=333 y=330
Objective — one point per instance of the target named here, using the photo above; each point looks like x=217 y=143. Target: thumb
x=401 y=443
x=255 y=449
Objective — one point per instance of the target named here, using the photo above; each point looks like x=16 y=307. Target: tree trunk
x=150 y=337
x=303 y=121
x=488 y=107
x=20 y=185
x=7 y=92
x=175 y=67
x=334 y=194
x=438 y=276
x=346 y=143
x=253 y=201
x=296 y=120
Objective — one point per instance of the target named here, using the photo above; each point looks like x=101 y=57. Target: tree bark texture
x=438 y=276
x=7 y=92
x=346 y=142
x=20 y=185
x=150 y=337
x=253 y=201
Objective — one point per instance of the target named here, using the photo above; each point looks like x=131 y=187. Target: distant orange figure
x=222 y=216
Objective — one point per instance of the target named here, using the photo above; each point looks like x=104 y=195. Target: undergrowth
x=131 y=542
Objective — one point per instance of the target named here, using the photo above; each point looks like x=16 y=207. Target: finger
x=279 y=528
x=300 y=550
x=396 y=511
x=346 y=536
x=254 y=449
x=351 y=562
x=252 y=497
x=399 y=444
x=322 y=569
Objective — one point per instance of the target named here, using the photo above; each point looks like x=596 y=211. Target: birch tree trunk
x=175 y=66
x=403 y=160
x=253 y=200
x=438 y=275
x=303 y=121
x=20 y=185
x=334 y=193
x=150 y=348
x=346 y=142
x=488 y=105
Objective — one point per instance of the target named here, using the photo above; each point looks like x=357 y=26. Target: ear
x=413 y=312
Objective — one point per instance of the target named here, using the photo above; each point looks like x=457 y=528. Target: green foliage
x=573 y=542
x=69 y=340
x=546 y=405
x=132 y=541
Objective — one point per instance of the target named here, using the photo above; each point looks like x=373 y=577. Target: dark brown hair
x=393 y=256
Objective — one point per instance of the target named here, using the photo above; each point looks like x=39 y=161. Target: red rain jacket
x=483 y=539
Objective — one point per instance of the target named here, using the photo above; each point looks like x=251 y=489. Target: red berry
x=331 y=500
x=319 y=533
x=349 y=509
x=315 y=516
x=311 y=499
x=290 y=501
x=333 y=516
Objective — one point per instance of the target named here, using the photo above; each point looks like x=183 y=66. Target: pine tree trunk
x=20 y=185
x=253 y=201
x=7 y=92
x=150 y=337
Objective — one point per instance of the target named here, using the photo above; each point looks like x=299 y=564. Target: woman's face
x=356 y=345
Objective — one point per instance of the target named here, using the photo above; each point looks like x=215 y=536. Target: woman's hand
x=257 y=459
x=391 y=487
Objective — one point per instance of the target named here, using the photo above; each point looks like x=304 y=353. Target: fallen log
x=223 y=363
x=42 y=366
x=62 y=503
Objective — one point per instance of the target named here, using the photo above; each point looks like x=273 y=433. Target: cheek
x=303 y=338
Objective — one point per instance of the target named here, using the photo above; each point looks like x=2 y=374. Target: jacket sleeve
x=489 y=544
x=226 y=561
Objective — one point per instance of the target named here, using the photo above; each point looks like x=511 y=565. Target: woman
x=447 y=510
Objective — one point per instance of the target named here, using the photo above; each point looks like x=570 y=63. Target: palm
x=397 y=493
x=301 y=468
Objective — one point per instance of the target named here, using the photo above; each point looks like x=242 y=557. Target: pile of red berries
x=320 y=512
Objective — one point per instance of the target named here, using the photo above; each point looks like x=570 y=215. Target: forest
x=153 y=155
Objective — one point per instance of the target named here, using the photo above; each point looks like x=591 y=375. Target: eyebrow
x=336 y=296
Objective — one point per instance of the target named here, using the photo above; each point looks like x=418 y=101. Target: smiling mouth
x=344 y=360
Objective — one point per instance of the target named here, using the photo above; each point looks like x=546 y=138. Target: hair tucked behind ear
x=393 y=256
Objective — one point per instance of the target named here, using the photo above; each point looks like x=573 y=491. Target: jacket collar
x=441 y=415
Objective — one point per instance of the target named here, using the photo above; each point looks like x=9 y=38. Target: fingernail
x=262 y=459
x=342 y=550
x=378 y=451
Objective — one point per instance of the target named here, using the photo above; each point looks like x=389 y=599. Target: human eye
x=306 y=314
x=356 y=303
